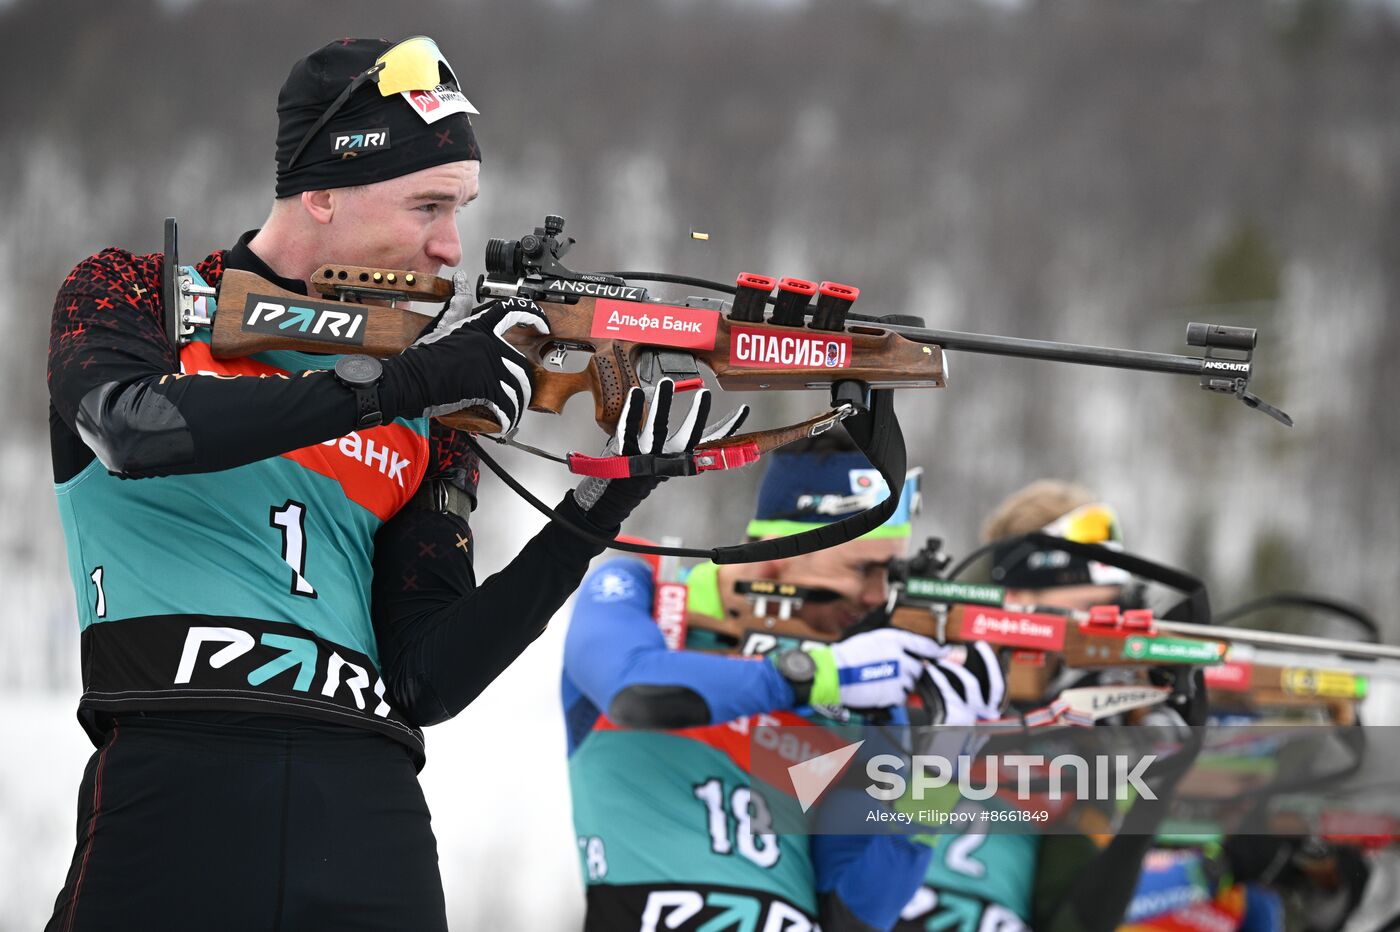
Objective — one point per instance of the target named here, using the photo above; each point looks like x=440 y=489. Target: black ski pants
x=234 y=822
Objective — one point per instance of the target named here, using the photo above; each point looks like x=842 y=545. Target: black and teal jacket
x=235 y=544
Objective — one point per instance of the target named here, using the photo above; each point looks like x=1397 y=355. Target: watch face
x=358 y=370
x=797 y=665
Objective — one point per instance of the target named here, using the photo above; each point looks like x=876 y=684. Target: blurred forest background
x=1080 y=170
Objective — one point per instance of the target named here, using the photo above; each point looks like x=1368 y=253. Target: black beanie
x=371 y=138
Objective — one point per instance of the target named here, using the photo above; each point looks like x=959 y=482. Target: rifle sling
x=875 y=432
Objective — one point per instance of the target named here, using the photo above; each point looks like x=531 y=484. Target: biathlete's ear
x=319 y=205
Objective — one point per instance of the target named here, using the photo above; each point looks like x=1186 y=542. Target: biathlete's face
x=1079 y=598
x=409 y=222
x=857 y=571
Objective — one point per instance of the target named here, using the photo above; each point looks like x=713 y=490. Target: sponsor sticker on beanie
x=348 y=145
x=441 y=101
x=868 y=480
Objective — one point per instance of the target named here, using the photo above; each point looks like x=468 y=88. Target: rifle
x=1268 y=679
x=633 y=339
x=1245 y=668
x=926 y=602
x=1031 y=641
x=1260 y=671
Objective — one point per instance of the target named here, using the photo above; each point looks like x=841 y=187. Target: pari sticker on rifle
x=339 y=322
x=765 y=349
x=1014 y=629
x=1172 y=650
x=654 y=324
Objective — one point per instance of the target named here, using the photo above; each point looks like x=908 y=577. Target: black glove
x=972 y=691
x=1191 y=702
x=607 y=502
x=1259 y=858
x=462 y=361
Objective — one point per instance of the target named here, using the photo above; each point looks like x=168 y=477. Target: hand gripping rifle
x=634 y=339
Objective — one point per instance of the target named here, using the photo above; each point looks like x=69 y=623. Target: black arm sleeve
x=837 y=916
x=659 y=708
x=443 y=639
x=115 y=382
x=1081 y=887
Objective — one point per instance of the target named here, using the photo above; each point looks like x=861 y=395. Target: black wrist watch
x=361 y=375
x=800 y=670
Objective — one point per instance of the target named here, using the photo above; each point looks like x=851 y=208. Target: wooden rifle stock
x=386 y=330
x=1064 y=637
x=1040 y=642
x=1262 y=687
x=878 y=357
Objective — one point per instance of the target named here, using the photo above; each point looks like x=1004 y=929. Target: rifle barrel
x=1280 y=639
x=1273 y=657
x=1170 y=363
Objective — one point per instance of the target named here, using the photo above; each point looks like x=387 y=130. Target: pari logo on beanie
x=349 y=145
